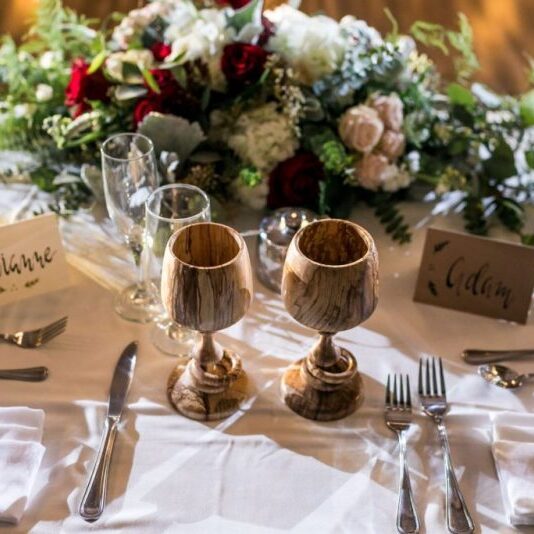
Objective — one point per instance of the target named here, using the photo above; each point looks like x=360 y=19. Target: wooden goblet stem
x=325 y=353
x=208 y=351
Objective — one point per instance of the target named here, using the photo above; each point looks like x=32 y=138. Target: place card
x=32 y=259
x=477 y=275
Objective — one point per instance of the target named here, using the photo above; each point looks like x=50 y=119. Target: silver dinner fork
x=35 y=338
x=433 y=395
x=398 y=416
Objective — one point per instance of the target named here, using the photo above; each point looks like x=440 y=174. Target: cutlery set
x=398 y=417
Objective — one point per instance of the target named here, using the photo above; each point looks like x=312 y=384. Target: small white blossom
x=44 y=92
x=21 y=111
x=50 y=59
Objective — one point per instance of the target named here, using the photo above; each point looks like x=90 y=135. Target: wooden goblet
x=206 y=285
x=330 y=284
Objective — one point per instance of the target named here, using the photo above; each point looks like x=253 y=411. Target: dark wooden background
x=504 y=29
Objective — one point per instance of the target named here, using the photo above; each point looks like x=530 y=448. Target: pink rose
x=360 y=128
x=389 y=108
x=392 y=144
x=374 y=170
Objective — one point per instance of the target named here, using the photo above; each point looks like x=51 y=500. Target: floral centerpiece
x=271 y=107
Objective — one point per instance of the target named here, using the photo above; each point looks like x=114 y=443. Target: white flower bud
x=44 y=92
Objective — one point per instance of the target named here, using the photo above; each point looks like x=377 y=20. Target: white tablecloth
x=265 y=469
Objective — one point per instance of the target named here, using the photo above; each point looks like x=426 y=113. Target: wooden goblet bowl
x=206 y=285
x=329 y=284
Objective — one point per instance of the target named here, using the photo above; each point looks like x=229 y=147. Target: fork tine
x=388 y=394
x=442 y=379
x=434 y=377
x=52 y=332
x=420 y=385
x=408 y=393
x=59 y=322
x=395 y=397
x=51 y=335
x=401 y=401
x=428 y=383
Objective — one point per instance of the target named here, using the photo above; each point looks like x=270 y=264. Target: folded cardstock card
x=32 y=259
x=476 y=275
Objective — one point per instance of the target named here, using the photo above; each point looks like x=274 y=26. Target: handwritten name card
x=32 y=259
x=476 y=275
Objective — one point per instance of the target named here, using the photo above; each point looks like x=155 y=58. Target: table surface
x=264 y=469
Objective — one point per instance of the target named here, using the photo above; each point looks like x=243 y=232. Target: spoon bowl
x=502 y=376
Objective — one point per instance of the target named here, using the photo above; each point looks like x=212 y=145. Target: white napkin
x=21 y=452
x=513 y=451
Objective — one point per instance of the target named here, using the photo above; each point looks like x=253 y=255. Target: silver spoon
x=503 y=376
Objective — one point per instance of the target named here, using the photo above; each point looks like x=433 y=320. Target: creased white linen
x=513 y=451
x=264 y=470
x=21 y=452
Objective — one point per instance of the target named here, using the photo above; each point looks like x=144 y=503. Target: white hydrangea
x=353 y=26
x=196 y=34
x=263 y=137
x=399 y=180
x=313 y=46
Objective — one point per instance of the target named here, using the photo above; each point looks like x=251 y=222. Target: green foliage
x=474 y=215
x=526 y=108
x=250 y=176
x=386 y=209
x=435 y=35
x=459 y=95
x=501 y=164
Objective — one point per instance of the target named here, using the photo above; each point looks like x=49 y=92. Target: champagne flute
x=168 y=209
x=130 y=175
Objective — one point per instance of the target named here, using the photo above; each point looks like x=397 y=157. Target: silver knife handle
x=477 y=356
x=94 y=498
x=458 y=517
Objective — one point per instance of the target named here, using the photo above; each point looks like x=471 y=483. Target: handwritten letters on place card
x=32 y=260
x=476 y=275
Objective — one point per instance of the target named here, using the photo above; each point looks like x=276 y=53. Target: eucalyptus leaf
x=460 y=95
x=526 y=108
x=97 y=62
x=529 y=156
x=249 y=13
x=172 y=134
x=501 y=164
x=129 y=92
x=149 y=79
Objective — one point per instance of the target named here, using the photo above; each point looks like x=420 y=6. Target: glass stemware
x=130 y=175
x=168 y=209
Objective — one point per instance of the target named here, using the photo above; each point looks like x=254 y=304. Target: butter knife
x=479 y=356
x=94 y=498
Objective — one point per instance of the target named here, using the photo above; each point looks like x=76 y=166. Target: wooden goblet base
x=189 y=396
x=325 y=401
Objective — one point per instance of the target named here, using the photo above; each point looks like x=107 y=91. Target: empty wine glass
x=168 y=209
x=130 y=175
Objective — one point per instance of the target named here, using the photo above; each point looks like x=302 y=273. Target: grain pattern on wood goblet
x=206 y=285
x=329 y=284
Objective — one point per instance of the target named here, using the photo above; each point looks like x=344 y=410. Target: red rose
x=84 y=87
x=236 y=4
x=160 y=50
x=172 y=98
x=295 y=182
x=243 y=64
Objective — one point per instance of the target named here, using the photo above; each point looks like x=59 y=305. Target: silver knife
x=94 y=498
x=479 y=356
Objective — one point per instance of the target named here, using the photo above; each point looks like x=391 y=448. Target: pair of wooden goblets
x=330 y=284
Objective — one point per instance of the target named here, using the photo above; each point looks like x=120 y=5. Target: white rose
x=390 y=110
x=44 y=92
x=392 y=144
x=313 y=46
x=142 y=59
x=360 y=128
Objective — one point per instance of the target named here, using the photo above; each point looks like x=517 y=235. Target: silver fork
x=36 y=338
x=398 y=416
x=433 y=396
